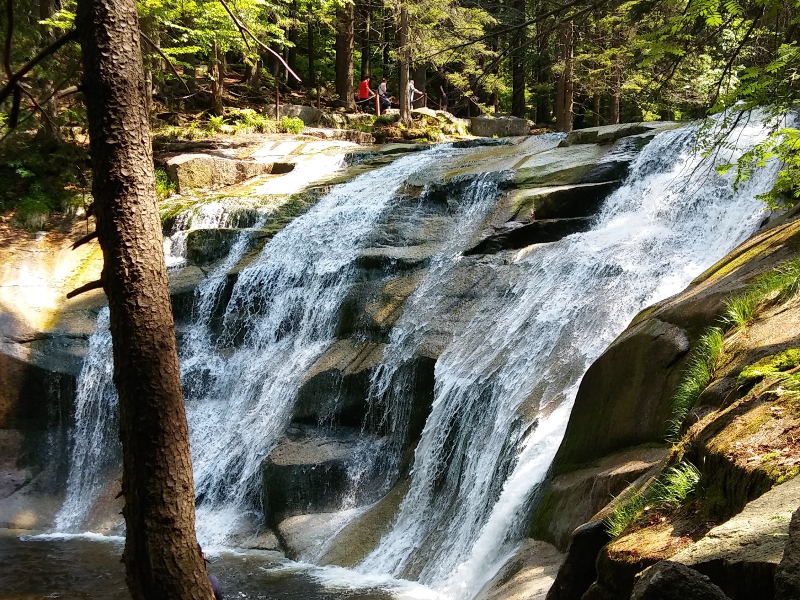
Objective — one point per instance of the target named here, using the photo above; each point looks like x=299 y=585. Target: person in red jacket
x=364 y=93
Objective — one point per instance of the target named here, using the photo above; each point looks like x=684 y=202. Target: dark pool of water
x=77 y=568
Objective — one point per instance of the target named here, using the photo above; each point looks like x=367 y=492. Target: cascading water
x=505 y=384
x=96 y=439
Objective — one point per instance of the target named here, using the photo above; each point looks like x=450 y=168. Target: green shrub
x=246 y=119
x=671 y=490
x=215 y=123
x=776 y=285
x=385 y=120
x=703 y=362
x=292 y=125
x=164 y=184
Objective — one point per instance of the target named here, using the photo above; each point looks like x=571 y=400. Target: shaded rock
x=610 y=133
x=203 y=171
x=335 y=388
x=672 y=581
x=787 y=577
x=515 y=236
x=305 y=536
x=573 y=498
x=528 y=575
x=308 y=114
x=307 y=472
x=351 y=544
x=205 y=246
x=346 y=135
x=578 y=570
x=624 y=398
x=588 y=163
x=486 y=126
x=559 y=202
x=741 y=556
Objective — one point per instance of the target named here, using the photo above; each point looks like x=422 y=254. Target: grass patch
x=776 y=285
x=703 y=363
x=671 y=490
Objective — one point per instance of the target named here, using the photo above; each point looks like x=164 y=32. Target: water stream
x=504 y=383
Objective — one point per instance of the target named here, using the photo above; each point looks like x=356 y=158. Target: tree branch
x=164 y=56
x=244 y=29
x=93 y=285
x=51 y=49
x=85 y=239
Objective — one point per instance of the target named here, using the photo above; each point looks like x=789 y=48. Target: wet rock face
x=578 y=571
x=205 y=171
x=308 y=472
x=624 y=398
x=671 y=581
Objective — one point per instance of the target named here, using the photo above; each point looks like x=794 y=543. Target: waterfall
x=96 y=446
x=505 y=384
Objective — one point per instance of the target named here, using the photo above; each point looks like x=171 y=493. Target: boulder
x=308 y=472
x=527 y=575
x=559 y=202
x=486 y=126
x=742 y=555
x=204 y=171
x=423 y=112
x=308 y=114
x=335 y=388
x=578 y=569
x=624 y=399
x=672 y=581
x=351 y=544
x=206 y=246
x=587 y=163
x=345 y=135
x=515 y=236
x=610 y=133
x=574 y=498
x=787 y=577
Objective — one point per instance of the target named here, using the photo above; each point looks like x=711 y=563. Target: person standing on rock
x=383 y=92
x=411 y=91
x=364 y=92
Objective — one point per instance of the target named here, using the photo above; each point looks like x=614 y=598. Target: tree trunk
x=312 y=73
x=366 y=40
x=47 y=8
x=565 y=80
x=518 y=62
x=216 y=80
x=388 y=26
x=345 y=35
x=161 y=557
x=596 y=109
x=294 y=37
x=615 y=95
x=402 y=44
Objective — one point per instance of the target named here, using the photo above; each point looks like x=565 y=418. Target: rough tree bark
x=366 y=40
x=161 y=557
x=216 y=80
x=312 y=72
x=345 y=38
x=518 y=44
x=566 y=83
x=402 y=45
x=294 y=37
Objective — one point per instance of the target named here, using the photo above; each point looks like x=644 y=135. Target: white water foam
x=505 y=384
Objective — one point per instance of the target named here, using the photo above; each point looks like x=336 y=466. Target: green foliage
x=703 y=362
x=215 y=123
x=776 y=285
x=385 y=120
x=292 y=125
x=247 y=119
x=165 y=187
x=770 y=365
x=673 y=488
